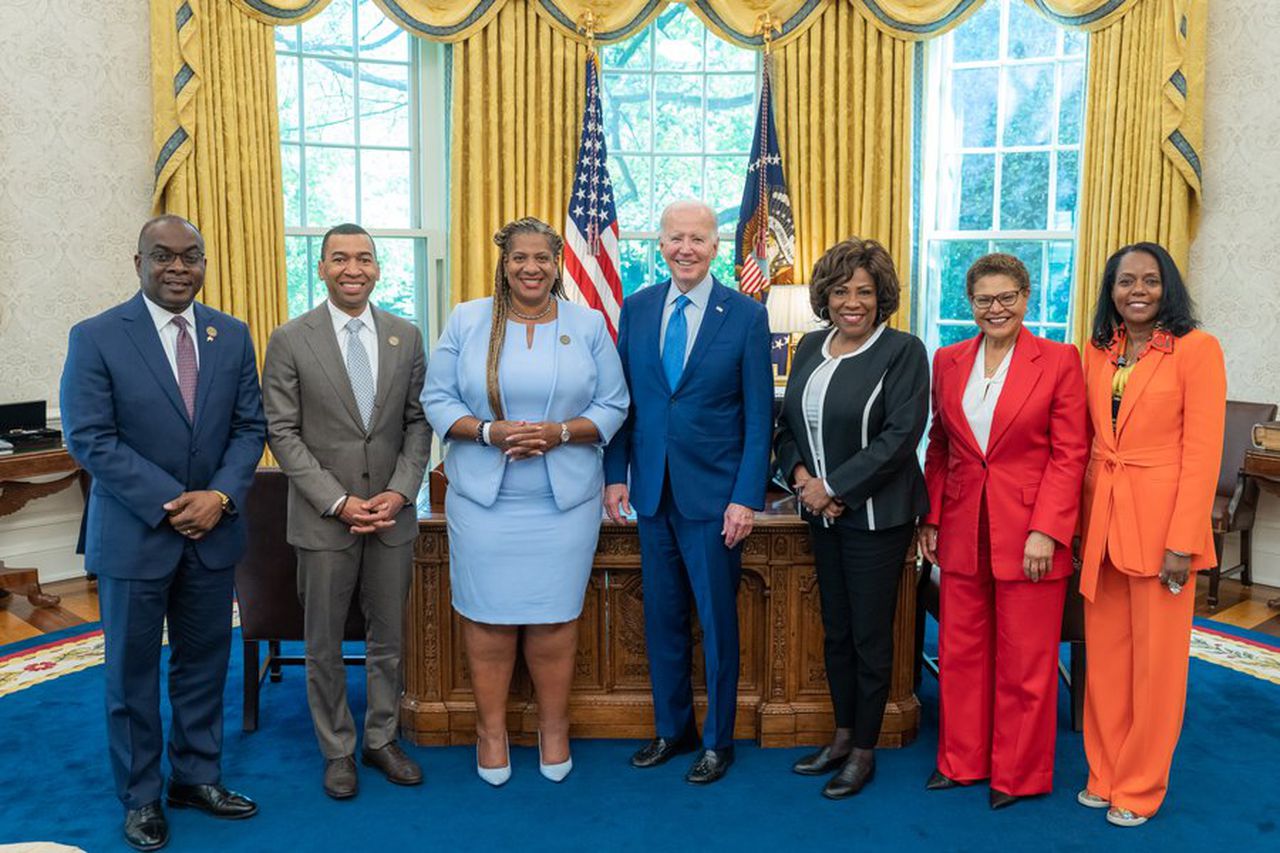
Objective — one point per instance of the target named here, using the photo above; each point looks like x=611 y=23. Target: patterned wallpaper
x=75 y=176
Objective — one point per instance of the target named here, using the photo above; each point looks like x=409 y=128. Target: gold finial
x=766 y=26
x=587 y=26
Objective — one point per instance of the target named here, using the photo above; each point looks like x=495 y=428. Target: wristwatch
x=225 y=498
x=564 y=434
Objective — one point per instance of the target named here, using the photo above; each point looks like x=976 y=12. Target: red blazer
x=1151 y=480
x=1034 y=464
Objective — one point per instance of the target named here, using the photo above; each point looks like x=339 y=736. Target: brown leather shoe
x=340 y=777
x=395 y=765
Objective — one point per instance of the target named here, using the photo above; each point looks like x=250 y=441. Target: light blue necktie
x=673 y=345
x=359 y=370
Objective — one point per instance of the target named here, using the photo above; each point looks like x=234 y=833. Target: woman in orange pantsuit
x=1157 y=401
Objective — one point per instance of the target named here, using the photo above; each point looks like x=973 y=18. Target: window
x=353 y=88
x=1001 y=166
x=679 y=110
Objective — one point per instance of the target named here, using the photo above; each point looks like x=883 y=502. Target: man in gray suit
x=341 y=388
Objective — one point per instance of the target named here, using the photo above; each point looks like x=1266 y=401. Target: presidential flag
x=765 y=244
x=591 y=257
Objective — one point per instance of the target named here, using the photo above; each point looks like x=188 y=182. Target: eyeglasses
x=163 y=257
x=1008 y=299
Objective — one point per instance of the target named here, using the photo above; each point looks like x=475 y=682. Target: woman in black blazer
x=855 y=408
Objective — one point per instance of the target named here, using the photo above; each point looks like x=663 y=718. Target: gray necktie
x=359 y=370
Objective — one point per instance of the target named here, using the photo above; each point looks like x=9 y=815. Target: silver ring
x=1175 y=587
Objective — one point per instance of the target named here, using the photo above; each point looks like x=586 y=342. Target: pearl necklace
x=551 y=303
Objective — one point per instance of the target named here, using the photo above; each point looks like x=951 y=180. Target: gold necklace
x=551 y=303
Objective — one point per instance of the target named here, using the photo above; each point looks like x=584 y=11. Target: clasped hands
x=812 y=494
x=193 y=514
x=372 y=514
x=1037 y=554
x=524 y=439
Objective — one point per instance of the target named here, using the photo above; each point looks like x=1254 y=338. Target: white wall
x=75 y=184
x=1235 y=260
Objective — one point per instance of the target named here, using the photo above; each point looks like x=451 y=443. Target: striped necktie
x=188 y=374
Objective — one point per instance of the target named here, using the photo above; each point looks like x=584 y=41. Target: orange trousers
x=1138 y=637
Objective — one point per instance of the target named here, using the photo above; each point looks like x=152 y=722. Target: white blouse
x=981 y=394
x=815 y=392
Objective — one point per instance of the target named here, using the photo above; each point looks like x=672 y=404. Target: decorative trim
x=1188 y=153
x=922 y=29
x=171 y=145
x=184 y=75
x=275 y=11
x=1179 y=82
x=917 y=163
x=611 y=35
x=184 y=14
x=414 y=25
x=1083 y=20
x=801 y=15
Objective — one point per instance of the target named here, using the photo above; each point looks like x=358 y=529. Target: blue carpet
x=55 y=785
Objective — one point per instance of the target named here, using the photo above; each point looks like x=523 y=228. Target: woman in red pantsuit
x=1004 y=468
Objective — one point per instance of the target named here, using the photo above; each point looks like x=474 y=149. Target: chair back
x=1237 y=437
x=267 y=576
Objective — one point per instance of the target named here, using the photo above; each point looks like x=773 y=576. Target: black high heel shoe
x=938 y=782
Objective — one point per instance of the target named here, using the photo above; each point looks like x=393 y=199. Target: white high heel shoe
x=554 y=772
x=495 y=776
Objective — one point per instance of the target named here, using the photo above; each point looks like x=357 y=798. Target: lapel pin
x=210 y=333
x=564 y=339
x=394 y=341
x=720 y=308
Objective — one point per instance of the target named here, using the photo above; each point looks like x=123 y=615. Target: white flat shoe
x=554 y=772
x=1124 y=817
x=495 y=776
x=1090 y=800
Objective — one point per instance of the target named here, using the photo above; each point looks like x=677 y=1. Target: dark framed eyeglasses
x=1008 y=299
x=163 y=257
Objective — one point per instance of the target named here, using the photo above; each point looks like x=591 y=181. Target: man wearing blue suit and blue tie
x=696 y=445
x=161 y=404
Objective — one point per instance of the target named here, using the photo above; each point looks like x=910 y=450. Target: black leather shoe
x=146 y=828
x=852 y=778
x=1000 y=800
x=711 y=765
x=340 y=777
x=819 y=763
x=938 y=782
x=395 y=765
x=213 y=799
x=660 y=750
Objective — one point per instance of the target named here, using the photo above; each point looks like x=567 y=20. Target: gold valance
x=281 y=13
x=1088 y=15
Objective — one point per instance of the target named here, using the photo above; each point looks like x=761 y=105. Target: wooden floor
x=1244 y=607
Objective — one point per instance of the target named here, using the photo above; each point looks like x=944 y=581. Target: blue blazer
x=124 y=421
x=712 y=432
x=588 y=383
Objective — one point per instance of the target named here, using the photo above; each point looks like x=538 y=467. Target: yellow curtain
x=517 y=101
x=217 y=142
x=280 y=12
x=843 y=93
x=916 y=19
x=1140 y=178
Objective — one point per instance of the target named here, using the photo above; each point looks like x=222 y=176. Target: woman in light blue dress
x=525 y=388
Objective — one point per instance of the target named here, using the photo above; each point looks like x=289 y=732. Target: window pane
x=380 y=37
x=679 y=40
x=1071 y=108
x=626 y=113
x=1058 y=287
x=632 y=54
x=331 y=186
x=978 y=38
x=386 y=189
x=301 y=272
x=966 y=195
x=660 y=270
x=1030 y=34
x=949 y=334
x=330 y=104
x=677 y=113
x=731 y=113
x=634 y=272
x=1028 y=107
x=397 y=285
x=632 y=191
x=1056 y=334
x=291 y=164
x=675 y=178
x=287 y=40
x=722 y=56
x=1074 y=42
x=1031 y=253
x=973 y=106
x=1024 y=191
x=725 y=179
x=287 y=97
x=722 y=264
x=949 y=260
x=329 y=32
x=1065 y=194
x=384 y=105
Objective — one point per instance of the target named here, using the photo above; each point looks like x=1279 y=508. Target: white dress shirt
x=693 y=312
x=368 y=335
x=981 y=394
x=815 y=392
x=163 y=318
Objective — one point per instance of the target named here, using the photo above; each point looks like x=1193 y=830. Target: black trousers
x=858 y=574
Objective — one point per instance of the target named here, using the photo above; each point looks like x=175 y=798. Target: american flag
x=765 y=245
x=591 y=258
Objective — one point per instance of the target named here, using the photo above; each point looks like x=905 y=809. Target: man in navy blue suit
x=161 y=404
x=696 y=445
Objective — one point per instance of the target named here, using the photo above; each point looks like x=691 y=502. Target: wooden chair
x=267 y=591
x=1236 y=503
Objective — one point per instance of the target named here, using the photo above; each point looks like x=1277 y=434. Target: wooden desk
x=15 y=468
x=782 y=691
x=1264 y=467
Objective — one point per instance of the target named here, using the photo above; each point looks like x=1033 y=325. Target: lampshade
x=789 y=309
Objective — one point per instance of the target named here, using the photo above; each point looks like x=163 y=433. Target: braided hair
x=502 y=295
